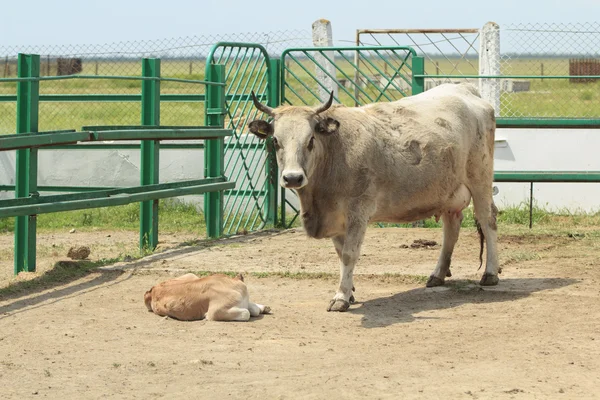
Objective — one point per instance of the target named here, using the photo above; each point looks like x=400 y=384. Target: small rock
x=78 y=253
x=72 y=230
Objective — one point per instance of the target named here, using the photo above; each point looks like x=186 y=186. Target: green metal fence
x=248 y=67
x=28 y=141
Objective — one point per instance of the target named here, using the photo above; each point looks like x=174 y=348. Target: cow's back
x=415 y=151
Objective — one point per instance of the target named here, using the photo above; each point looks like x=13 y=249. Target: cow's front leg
x=338 y=242
x=348 y=249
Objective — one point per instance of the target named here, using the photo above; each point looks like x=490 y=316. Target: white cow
x=403 y=161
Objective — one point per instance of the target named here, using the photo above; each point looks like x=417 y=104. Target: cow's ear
x=261 y=128
x=327 y=126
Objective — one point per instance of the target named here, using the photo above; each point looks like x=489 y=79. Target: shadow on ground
x=63 y=273
x=404 y=307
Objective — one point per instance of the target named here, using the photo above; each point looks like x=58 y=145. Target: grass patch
x=174 y=216
x=387 y=277
x=521 y=257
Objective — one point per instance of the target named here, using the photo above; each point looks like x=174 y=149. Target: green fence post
x=28 y=93
x=214 y=149
x=418 y=68
x=149 y=163
x=271 y=186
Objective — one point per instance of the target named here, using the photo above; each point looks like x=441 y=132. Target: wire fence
x=526 y=49
x=549 y=50
x=183 y=57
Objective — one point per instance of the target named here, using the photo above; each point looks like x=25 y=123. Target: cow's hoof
x=338 y=305
x=489 y=280
x=448 y=273
x=434 y=281
x=352 y=299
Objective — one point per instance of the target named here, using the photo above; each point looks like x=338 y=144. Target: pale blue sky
x=107 y=21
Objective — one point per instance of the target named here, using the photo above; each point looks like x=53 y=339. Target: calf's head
x=298 y=135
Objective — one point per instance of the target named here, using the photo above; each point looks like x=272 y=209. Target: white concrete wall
x=546 y=150
x=119 y=168
x=516 y=150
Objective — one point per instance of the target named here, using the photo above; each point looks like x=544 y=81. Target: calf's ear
x=261 y=128
x=327 y=126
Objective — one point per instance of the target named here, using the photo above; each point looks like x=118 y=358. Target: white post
x=489 y=64
x=323 y=37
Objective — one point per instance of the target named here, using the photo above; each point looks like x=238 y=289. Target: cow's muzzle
x=293 y=180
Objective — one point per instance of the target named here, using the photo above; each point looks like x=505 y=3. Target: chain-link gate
x=357 y=75
x=252 y=204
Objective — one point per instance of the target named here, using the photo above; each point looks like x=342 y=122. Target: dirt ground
x=535 y=335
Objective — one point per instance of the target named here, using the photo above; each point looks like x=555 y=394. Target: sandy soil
x=536 y=335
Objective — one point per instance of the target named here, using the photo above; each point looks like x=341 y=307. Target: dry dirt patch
x=533 y=336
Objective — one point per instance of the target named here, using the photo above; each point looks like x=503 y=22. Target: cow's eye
x=275 y=143
x=311 y=143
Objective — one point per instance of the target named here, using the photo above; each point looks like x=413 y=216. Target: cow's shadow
x=405 y=306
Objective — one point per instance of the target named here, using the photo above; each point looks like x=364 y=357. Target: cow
x=216 y=297
x=402 y=161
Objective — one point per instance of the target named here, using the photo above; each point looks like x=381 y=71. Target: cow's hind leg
x=486 y=212
x=229 y=314
x=451 y=225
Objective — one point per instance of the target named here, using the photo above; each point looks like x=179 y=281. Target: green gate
x=253 y=204
x=358 y=75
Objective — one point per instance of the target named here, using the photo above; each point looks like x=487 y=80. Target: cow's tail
x=481 y=240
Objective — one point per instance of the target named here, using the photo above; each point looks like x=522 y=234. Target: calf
x=216 y=297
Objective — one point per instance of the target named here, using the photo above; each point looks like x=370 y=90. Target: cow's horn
x=261 y=107
x=325 y=106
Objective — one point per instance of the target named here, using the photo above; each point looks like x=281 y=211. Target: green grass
x=174 y=216
x=519 y=215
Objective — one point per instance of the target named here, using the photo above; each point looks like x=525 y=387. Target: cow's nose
x=293 y=180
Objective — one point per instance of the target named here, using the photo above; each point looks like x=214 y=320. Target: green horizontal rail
x=125 y=98
x=33 y=140
x=120 y=197
x=105 y=192
x=110 y=77
x=551 y=123
x=547 y=176
x=162 y=134
x=65 y=189
x=123 y=146
x=350 y=48
x=509 y=76
x=136 y=146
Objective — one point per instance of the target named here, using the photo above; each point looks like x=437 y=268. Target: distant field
x=546 y=98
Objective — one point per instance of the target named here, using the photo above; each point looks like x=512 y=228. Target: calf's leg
x=229 y=314
x=257 y=309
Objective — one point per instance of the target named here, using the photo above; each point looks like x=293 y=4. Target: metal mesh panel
x=545 y=49
x=446 y=51
x=246 y=70
x=362 y=76
x=180 y=58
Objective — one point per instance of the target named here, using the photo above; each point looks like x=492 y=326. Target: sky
x=107 y=21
